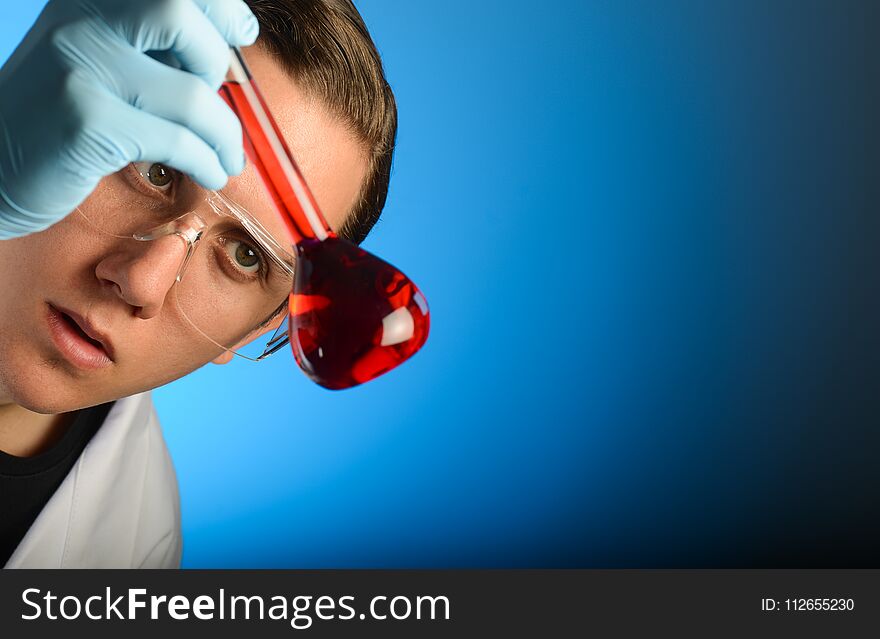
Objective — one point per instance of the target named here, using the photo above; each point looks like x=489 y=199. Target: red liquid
x=353 y=316
x=340 y=312
x=260 y=153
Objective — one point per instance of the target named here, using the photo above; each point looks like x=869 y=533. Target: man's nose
x=143 y=272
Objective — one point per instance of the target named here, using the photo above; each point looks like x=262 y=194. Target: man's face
x=123 y=287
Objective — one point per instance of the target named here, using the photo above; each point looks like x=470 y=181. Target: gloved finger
x=182 y=28
x=139 y=136
x=178 y=97
x=233 y=19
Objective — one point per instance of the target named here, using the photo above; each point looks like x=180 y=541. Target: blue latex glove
x=80 y=98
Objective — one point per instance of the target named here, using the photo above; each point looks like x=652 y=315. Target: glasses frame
x=281 y=337
x=190 y=227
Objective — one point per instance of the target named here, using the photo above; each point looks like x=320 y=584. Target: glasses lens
x=233 y=289
x=236 y=282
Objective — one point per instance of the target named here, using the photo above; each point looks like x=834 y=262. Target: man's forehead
x=247 y=191
x=329 y=156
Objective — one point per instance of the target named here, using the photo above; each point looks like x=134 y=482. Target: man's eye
x=243 y=256
x=157 y=175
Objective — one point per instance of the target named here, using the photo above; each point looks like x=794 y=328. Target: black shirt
x=27 y=483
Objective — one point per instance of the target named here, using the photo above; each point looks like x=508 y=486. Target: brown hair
x=324 y=45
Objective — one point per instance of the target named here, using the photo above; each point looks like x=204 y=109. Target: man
x=110 y=116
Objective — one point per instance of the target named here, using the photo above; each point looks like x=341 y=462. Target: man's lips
x=79 y=339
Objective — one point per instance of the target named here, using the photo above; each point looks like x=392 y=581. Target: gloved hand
x=80 y=98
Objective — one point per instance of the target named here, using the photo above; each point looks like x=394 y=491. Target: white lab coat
x=118 y=507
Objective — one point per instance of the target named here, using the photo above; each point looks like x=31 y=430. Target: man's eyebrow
x=274 y=251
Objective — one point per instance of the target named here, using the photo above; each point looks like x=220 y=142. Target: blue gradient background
x=648 y=234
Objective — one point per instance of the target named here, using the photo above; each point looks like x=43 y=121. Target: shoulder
x=119 y=506
x=145 y=469
x=159 y=533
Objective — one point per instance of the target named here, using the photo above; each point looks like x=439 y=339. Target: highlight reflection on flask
x=353 y=316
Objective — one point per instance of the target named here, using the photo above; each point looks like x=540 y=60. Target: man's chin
x=51 y=397
x=51 y=406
